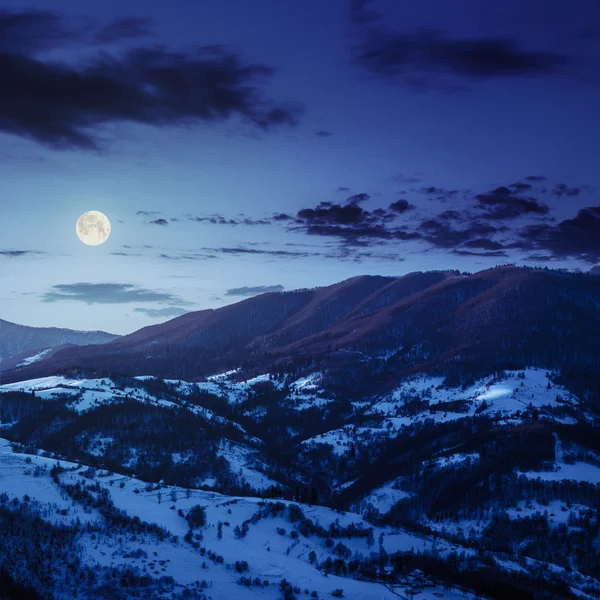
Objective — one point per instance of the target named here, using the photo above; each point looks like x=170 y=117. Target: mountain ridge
x=17 y=340
x=504 y=317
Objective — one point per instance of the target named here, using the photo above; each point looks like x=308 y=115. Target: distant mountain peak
x=23 y=341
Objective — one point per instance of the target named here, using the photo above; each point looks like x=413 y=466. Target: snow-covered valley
x=297 y=485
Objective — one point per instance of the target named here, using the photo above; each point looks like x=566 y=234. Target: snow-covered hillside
x=423 y=474
x=270 y=550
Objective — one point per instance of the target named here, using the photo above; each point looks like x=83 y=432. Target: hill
x=25 y=344
x=372 y=330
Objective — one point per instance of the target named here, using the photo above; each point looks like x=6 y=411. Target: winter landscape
x=421 y=478
x=300 y=300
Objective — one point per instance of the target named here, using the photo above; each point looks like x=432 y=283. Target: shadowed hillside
x=371 y=329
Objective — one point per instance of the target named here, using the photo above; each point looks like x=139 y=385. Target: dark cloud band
x=61 y=105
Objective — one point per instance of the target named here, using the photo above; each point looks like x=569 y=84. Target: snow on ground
x=505 y=395
x=31 y=359
x=383 y=498
x=225 y=375
x=305 y=401
x=342 y=439
x=557 y=511
x=270 y=550
x=469 y=528
x=455 y=459
x=306 y=392
x=246 y=463
x=90 y=392
x=27 y=475
x=41 y=383
x=309 y=382
x=578 y=471
x=97 y=444
x=218 y=385
x=258 y=379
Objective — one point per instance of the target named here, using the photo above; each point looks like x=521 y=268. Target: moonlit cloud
x=254 y=291
x=107 y=293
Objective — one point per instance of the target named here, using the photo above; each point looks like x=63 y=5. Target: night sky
x=239 y=147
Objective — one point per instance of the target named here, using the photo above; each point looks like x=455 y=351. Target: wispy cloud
x=18 y=253
x=216 y=219
x=125 y=28
x=159 y=313
x=107 y=293
x=254 y=290
x=426 y=59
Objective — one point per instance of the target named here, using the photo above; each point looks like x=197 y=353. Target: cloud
x=487 y=254
x=253 y=291
x=562 y=189
x=504 y=203
x=31 y=31
x=451 y=215
x=157 y=313
x=212 y=253
x=57 y=103
x=125 y=28
x=328 y=213
x=544 y=258
x=147 y=213
x=351 y=223
x=17 y=253
x=420 y=59
x=258 y=251
x=578 y=237
x=282 y=217
x=407 y=179
x=222 y=220
x=535 y=178
x=323 y=133
x=439 y=193
x=521 y=187
x=595 y=270
x=440 y=234
x=343 y=189
x=159 y=222
x=358 y=198
x=28 y=32
x=484 y=244
x=107 y=293
x=189 y=256
x=401 y=206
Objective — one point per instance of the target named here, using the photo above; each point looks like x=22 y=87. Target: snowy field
x=34 y=358
x=269 y=548
x=512 y=393
x=383 y=498
x=578 y=471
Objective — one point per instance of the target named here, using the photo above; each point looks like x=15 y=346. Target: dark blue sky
x=239 y=147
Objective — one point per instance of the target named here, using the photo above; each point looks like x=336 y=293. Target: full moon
x=93 y=228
